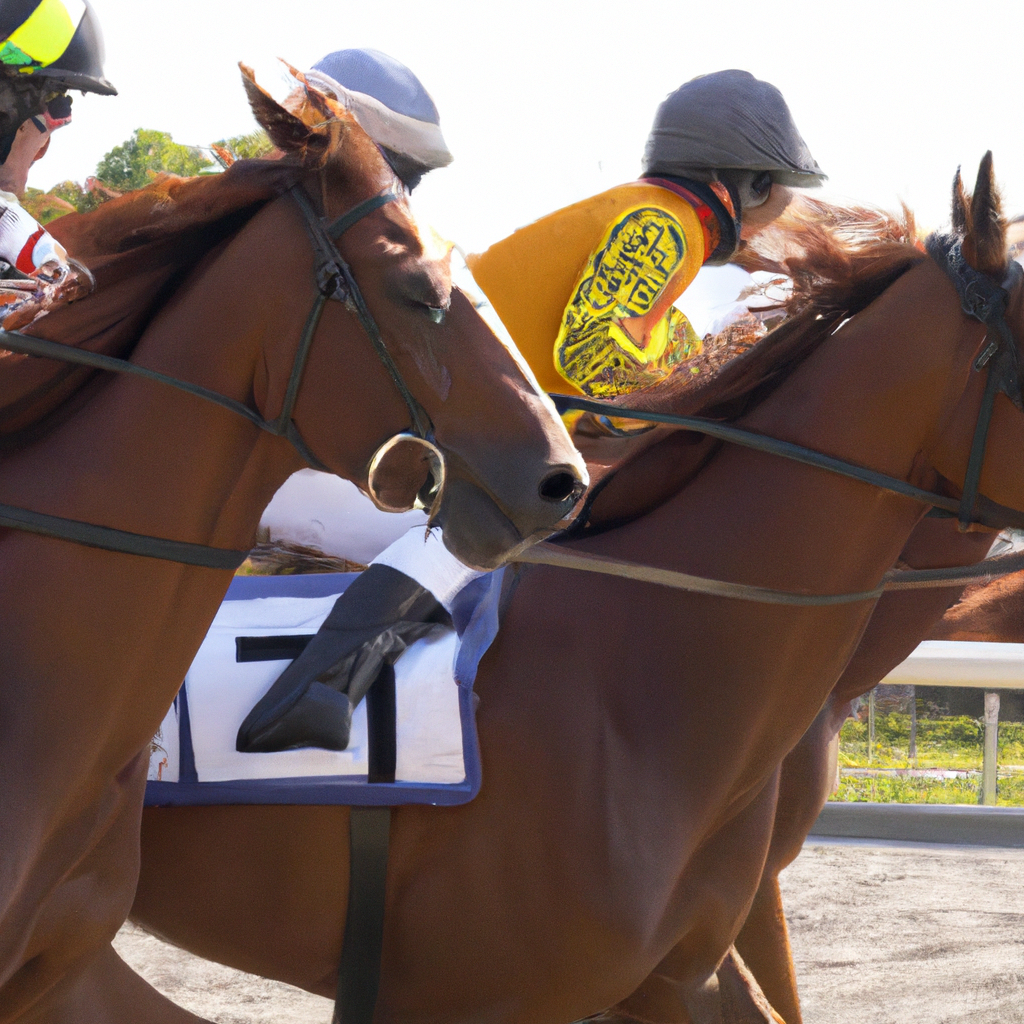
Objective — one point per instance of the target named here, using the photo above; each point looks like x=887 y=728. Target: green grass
x=954 y=742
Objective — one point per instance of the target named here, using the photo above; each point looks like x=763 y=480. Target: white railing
x=989 y=666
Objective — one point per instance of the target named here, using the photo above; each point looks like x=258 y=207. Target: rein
x=982 y=299
x=335 y=280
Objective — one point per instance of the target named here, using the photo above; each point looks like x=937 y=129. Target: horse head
x=488 y=456
x=980 y=446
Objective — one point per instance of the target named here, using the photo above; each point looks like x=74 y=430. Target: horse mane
x=140 y=247
x=283 y=558
x=170 y=206
x=839 y=259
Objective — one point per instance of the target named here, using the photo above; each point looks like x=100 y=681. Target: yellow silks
x=586 y=292
x=44 y=35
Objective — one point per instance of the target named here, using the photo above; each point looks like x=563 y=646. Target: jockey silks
x=587 y=292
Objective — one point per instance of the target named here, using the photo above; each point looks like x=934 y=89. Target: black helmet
x=729 y=120
x=57 y=43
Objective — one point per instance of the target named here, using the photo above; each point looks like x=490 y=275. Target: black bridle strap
x=985 y=301
x=989 y=513
x=357 y=213
x=337 y=281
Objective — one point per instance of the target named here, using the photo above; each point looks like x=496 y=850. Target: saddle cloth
x=194 y=761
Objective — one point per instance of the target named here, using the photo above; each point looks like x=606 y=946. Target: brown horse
x=987 y=612
x=94 y=644
x=632 y=735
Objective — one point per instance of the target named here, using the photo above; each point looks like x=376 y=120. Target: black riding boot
x=310 y=704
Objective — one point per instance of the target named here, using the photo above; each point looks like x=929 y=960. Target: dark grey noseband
x=334 y=281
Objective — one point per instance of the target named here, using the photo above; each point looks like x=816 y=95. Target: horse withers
x=631 y=734
x=212 y=282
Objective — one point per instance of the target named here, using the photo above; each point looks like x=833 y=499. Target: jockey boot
x=311 y=703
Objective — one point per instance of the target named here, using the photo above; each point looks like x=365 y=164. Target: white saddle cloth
x=220 y=693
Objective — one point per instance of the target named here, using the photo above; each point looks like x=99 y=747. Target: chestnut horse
x=94 y=644
x=631 y=734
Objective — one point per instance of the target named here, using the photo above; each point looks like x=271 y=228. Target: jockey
x=48 y=48
x=587 y=294
x=391 y=106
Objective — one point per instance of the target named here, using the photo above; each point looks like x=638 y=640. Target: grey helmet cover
x=729 y=120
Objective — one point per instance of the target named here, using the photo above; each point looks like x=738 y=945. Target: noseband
x=335 y=280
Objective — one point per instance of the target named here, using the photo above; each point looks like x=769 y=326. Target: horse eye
x=436 y=313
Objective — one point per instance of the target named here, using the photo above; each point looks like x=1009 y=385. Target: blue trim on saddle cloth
x=475 y=615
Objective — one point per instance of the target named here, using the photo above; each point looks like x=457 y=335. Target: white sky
x=544 y=103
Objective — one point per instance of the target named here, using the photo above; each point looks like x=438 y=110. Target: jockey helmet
x=390 y=104
x=729 y=121
x=46 y=48
x=56 y=40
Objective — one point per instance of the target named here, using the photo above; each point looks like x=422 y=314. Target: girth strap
x=370 y=830
x=359 y=969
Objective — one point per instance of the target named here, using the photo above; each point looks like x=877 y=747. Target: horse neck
x=876 y=393
x=149 y=459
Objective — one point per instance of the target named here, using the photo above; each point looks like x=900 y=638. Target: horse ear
x=985 y=245
x=286 y=130
x=961 y=207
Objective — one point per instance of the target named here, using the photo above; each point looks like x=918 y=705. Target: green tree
x=136 y=162
x=247 y=147
x=46 y=206
x=80 y=198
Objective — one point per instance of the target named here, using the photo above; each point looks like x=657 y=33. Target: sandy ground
x=886 y=934
x=882 y=934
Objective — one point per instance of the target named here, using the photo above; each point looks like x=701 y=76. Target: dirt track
x=881 y=935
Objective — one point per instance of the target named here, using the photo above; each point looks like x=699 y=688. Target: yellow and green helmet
x=54 y=40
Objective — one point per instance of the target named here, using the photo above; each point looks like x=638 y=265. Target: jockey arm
x=25 y=245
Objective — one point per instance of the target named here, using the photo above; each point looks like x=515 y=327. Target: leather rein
x=980 y=298
x=335 y=280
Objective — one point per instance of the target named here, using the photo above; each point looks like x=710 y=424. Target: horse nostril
x=559 y=486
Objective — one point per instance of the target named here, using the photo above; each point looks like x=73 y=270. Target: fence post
x=991 y=755
x=871 y=724
x=912 y=748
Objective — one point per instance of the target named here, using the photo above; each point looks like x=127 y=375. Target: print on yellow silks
x=617 y=334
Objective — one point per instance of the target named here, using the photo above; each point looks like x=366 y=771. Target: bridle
x=982 y=299
x=335 y=280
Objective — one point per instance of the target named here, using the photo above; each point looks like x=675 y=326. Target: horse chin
x=475 y=529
